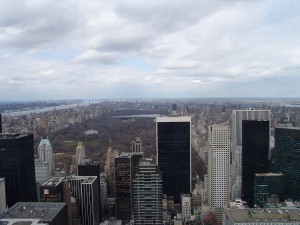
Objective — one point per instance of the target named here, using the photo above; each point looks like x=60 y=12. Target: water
x=47 y=109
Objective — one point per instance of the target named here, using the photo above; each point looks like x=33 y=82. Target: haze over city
x=112 y=49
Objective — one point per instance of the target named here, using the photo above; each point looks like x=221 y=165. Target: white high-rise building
x=218 y=169
x=45 y=152
x=80 y=153
x=186 y=207
x=237 y=118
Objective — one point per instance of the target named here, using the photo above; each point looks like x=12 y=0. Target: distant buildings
x=17 y=167
x=218 y=169
x=255 y=149
x=147 y=194
x=137 y=145
x=287 y=159
x=173 y=154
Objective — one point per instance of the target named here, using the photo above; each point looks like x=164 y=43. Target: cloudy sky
x=135 y=48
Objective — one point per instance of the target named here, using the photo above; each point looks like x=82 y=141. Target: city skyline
x=108 y=49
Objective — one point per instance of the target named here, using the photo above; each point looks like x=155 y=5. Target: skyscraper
x=173 y=154
x=92 y=169
x=236 y=154
x=287 y=159
x=147 y=194
x=126 y=165
x=84 y=189
x=137 y=145
x=17 y=167
x=218 y=169
x=109 y=170
x=255 y=150
x=45 y=152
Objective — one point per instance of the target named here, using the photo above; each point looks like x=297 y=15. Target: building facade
x=17 y=167
x=84 y=189
x=147 y=194
x=236 y=118
x=45 y=152
x=2 y=195
x=137 y=145
x=173 y=154
x=42 y=171
x=218 y=169
x=255 y=150
x=267 y=184
x=287 y=159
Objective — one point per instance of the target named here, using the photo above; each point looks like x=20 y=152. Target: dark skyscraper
x=0 y=124
x=17 y=167
x=92 y=169
x=255 y=149
x=287 y=159
x=173 y=149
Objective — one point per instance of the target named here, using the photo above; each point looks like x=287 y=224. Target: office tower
x=17 y=167
x=147 y=194
x=109 y=170
x=255 y=148
x=45 y=152
x=2 y=195
x=92 y=169
x=137 y=145
x=237 y=117
x=186 y=207
x=42 y=171
x=52 y=190
x=267 y=184
x=173 y=154
x=123 y=187
x=287 y=159
x=48 y=212
x=57 y=189
x=218 y=169
x=84 y=189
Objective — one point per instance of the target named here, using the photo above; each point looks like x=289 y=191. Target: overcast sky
x=134 y=49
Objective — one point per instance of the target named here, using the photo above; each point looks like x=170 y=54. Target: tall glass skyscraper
x=17 y=167
x=173 y=154
x=287 y=159
x=255 y=150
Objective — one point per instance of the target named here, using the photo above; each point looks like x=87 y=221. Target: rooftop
x=264 y=215
x=21 y=222
x=53 y=181
x=268 y=174
x=46 y=211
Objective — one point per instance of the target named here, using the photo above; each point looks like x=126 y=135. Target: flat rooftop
x=264 y=215
x=21 y=222
x=53 y=181
x=46 y=211
x=268 y=174
x=2 y=179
